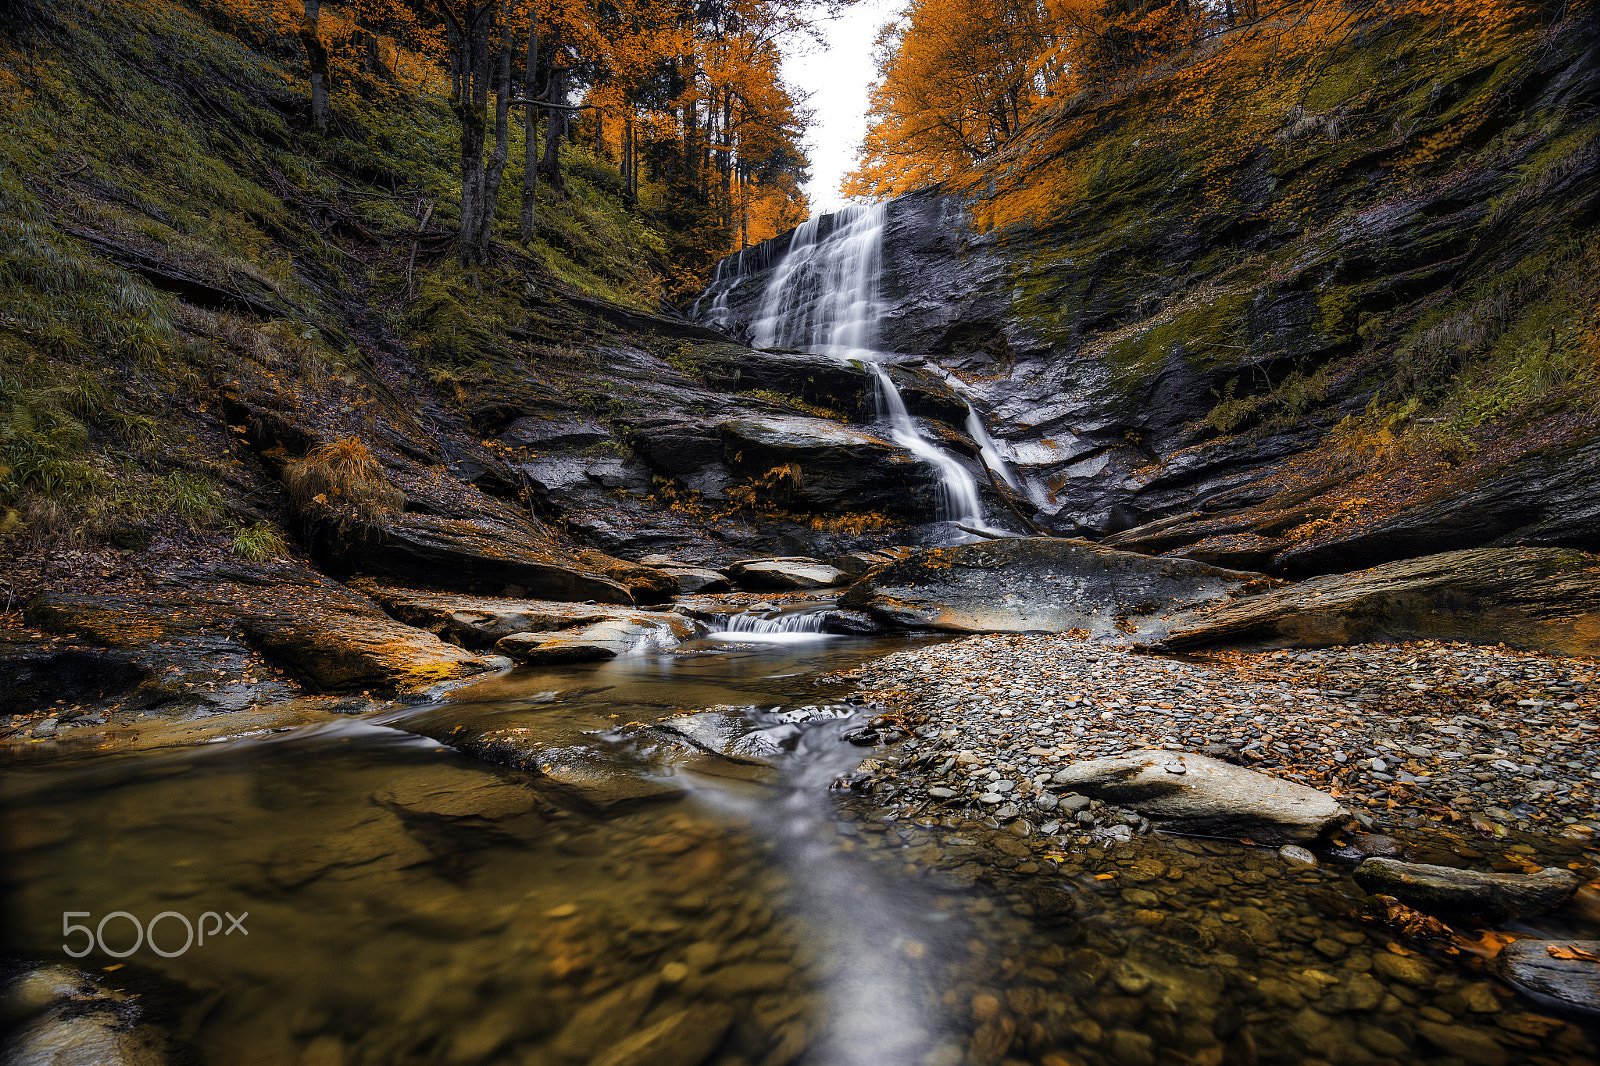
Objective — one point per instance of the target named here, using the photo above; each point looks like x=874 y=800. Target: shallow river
x=407 y=904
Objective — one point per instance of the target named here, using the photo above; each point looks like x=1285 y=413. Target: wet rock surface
x=1039 y=584
x=1556 y=973
x=1545 y=599
x=1467 y=893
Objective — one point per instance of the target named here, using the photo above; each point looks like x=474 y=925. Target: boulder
x=1537 y=598
x=1193 y=794
x=342 y=646
x=1042 y=585
x=554 y=431
x=1467 y=893
x=791 y=572
x=1564 y=974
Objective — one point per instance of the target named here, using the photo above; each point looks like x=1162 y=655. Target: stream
x=406 y=904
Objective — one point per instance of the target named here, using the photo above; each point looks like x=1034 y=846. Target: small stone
x=1406 y=969
x=1473 y=1045
x=940 y=792
x=1298 y=857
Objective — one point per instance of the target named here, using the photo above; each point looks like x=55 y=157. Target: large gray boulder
x=1193 y=794
x=1467 y=893
x=1540 y=598
x=1043 y=585
x=1554 y=973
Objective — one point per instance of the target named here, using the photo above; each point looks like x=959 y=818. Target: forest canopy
x=972 y=92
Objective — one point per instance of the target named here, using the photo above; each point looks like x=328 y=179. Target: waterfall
x=823 y=297
x=766 y=627
x=957 y=498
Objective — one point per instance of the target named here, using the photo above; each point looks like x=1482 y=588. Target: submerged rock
x=1467 y=893
x=1194 y=794
x=1540 y=598
x=1042 y=584
x=792 y=572
x=1554 y=973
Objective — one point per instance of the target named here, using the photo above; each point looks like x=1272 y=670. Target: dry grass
x=343 y=484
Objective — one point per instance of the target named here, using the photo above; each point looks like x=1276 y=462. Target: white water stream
x=824 y=297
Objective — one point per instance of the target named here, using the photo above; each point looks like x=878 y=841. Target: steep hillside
x=1367 y=333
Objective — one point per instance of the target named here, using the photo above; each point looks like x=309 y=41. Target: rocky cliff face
x=1294 y=372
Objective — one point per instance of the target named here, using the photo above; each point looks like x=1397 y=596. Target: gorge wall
x=1356 y=348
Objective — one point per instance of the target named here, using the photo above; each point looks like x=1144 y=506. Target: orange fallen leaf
x=1570 y=951
x=1398 y=950
x=1104 y=877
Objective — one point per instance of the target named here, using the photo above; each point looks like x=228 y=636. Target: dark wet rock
x=56 y=1016
x=479 y=555
x=731 y=736
x=791 y=572
x=834 y=467
x=1538 y=598
x=1565 y=980
x=820 y=380
x=850 y=623
x=683 y=1039
x=1191 y=793
x=554 y=431
x=1039 y=584
x=579 y=775
x=1467 y=893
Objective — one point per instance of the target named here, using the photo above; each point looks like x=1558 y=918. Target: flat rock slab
x=836 y=467
x=1467 y=893
x=1193 y=794
x=483 y=555
x=484 y=621
x=1547 y=599
x=602 y=640
x=1043 y=585
x=792 y=572
x=326 y=634
x=1554 y=973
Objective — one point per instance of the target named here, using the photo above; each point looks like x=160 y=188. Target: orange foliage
x=994 y=96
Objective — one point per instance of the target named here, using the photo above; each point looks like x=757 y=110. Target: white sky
x=836 y=77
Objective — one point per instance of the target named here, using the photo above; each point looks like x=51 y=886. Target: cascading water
x=770 y=628
x=824 y=297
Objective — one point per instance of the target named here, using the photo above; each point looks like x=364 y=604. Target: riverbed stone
x=1446 y=891
x=1554 y=973
x=682 y=1039
x=1042 y=584
x=1473 y=1045
x=1208 y=797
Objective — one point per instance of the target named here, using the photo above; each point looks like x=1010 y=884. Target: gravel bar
x=1403 y=734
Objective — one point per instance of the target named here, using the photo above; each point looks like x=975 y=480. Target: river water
x=404 y=903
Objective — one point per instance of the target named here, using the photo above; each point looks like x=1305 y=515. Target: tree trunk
x=472 y=98
x=527 y=227
x=317 y=60
x=496 y=171
x=555 y=123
